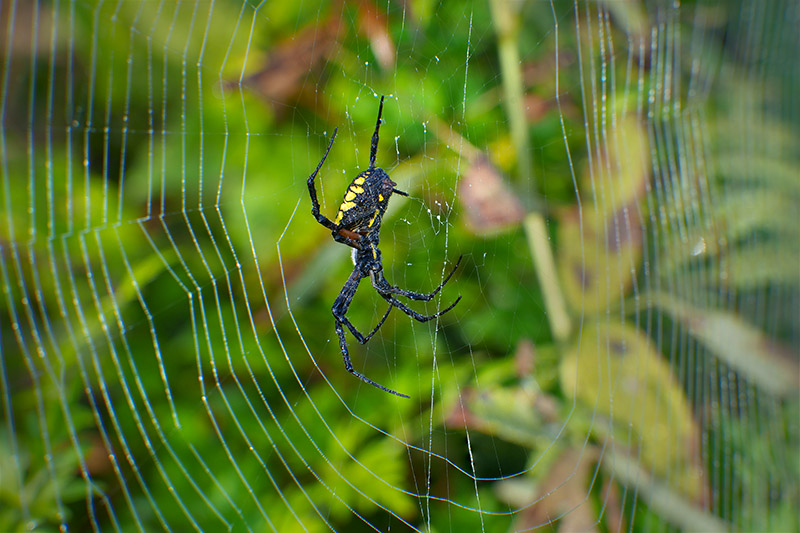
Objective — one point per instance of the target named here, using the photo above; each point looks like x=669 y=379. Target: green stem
x=505 y=14
x=506 y=22
x=538 y=242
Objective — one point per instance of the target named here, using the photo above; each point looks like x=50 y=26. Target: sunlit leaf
x=615 y=371
x=739 y=344
x=598 y=257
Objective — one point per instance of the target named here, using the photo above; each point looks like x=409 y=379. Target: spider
x=358 y=225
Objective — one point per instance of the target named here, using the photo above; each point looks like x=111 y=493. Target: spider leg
x=357 y=334
x=340 y=307
x=384 y=287
x=349 y=366
x=373 y=149
x=394 y=302
x=343 y=236
x=322 y=219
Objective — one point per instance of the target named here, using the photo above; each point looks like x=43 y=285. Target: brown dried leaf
x=525 y=358
x=490 y=205
x=374 y=25
x=287 y=67
x=563 y=495
x=461 y=416
x=536 y=107
x=98 y=460
x=614 y=512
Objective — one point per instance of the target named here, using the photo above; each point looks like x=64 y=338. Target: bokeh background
x=621 y=179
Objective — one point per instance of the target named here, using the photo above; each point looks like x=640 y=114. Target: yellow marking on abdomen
x=347 y=206
x=374 y=252
x=349 y=196
x=359 y=181
x=338 y=218
x=380 y=197
x=372 y=220
x=356 y=189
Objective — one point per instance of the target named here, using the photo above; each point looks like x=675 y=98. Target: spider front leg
x=342 y=235
x=340 y=307
x=312 y=191
x=373 y=148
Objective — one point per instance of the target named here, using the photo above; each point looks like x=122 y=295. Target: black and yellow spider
x=358 y=225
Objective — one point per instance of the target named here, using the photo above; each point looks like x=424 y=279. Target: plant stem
x=505 y=14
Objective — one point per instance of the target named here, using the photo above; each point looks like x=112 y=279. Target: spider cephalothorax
x=357 y=224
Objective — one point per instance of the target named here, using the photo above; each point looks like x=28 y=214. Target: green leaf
x=615 y=371
x=746 y=349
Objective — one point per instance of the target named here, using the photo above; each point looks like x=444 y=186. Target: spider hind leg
x=340 y=307
x=385 y=288
x=349 y=365
x=394 y=302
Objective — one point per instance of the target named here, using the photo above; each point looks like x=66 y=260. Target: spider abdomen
x=365 y=201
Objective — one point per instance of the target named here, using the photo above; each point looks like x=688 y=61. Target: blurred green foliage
x=158 y=224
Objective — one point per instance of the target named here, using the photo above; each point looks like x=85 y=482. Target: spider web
x=619 y=177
